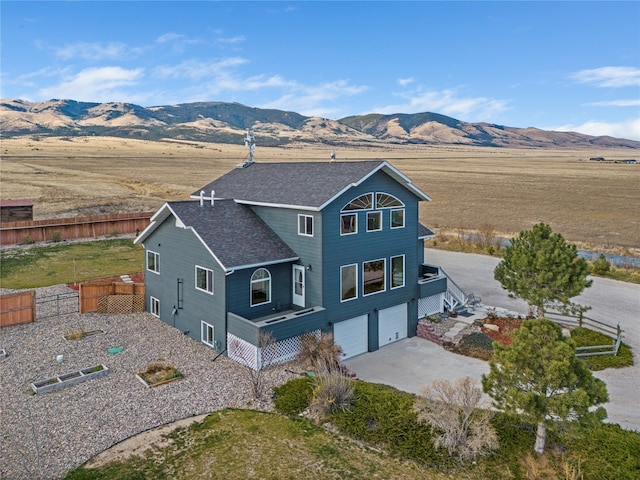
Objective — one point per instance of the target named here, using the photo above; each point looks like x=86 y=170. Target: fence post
x=580 y=318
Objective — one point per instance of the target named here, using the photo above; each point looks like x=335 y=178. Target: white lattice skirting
x=252 y=356
x=430 y=305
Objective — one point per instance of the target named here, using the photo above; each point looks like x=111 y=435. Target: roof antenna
x=249 y=141
x=333 y=155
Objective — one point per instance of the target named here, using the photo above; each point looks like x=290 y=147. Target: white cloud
x=612 y=77
x=315 y=100
x=447 y=102
x=94 y=51
x=197 y=70
x=403 y=82
x=102 y=84
x=629 y=129
x=615 y=103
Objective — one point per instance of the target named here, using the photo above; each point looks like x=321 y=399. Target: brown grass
x=471 y=187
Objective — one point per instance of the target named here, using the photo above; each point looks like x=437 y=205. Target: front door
x=298 y=285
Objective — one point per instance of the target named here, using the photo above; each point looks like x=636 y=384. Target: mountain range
x=225 y=122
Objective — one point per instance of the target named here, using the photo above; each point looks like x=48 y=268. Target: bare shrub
x=321 y=354
x=268 y=352
x=487 y=236
x=453 y=409
x=333 y=391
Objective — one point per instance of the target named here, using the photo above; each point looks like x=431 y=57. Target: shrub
x=332 y=392
x=320 y=353
x=293 y=397
x=601 y=266
x=26 y=240
x=453 y=409
x=476 y=344
x=381 y=415
x=56 y=236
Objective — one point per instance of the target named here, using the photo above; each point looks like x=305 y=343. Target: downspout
x=226 y=313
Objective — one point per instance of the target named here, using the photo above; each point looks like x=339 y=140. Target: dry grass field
x=595 y=204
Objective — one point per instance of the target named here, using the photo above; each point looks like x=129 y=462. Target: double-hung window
x=204 y=279
x=374 y=221
x=305 y=225
x=206 y=335
x=153 y=261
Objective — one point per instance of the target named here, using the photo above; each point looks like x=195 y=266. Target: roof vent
x=203 y=198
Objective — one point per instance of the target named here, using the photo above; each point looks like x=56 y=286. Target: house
x=290 y=248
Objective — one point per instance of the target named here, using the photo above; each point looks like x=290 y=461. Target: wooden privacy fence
x=111 y=297
x=17 y=308
x=59 y=229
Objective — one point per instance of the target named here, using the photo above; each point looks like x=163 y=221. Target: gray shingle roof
x=236 y=236
x=301 y=184
x=424 y=232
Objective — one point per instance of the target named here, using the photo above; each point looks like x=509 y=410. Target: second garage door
x=352 y=336
x=392 y=324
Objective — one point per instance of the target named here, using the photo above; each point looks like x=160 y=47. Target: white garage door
x=352 y=336
x=392 y=324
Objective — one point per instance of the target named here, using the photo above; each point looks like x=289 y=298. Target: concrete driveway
x=412 y=363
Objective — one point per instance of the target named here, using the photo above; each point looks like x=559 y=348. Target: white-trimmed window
x=397 y=271
x=204 y=279
x=305 y=225
x=374 y=221
x=363 y=202
x=206 y=334
x=153 y=261
x=348 y=223
x=154 y=306
x=373 y=276
x=397 y=218
x=348 y=282
x=386 y=200
x=260 y=287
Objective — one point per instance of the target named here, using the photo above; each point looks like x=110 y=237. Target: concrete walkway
x=412 y=363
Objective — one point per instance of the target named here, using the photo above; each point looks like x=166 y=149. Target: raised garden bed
x=68 y=379
x=81 y=333
x=158 y=374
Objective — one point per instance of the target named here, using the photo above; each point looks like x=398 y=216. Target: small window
x=260 y=287
x=397 y=218
x=348 y=282
x=154 y=306
x=348 y=223
x=207 y=334
x=373 y=276
x=384 y=200
x=374 y=221
x=305 y=225
x=204 y=279
x=153 y=261
x=363 y=202
x=397 y=271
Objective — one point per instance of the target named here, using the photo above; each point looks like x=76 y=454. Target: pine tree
x=540 y=377
x=544 y=270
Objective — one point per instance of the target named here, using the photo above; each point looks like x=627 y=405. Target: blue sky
x=552 y=65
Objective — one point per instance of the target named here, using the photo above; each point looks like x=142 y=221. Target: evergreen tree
x=544 y=270
x=540 y=377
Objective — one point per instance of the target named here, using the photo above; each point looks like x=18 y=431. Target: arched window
x=385 y=200
x=363 y=202
x=260 y=287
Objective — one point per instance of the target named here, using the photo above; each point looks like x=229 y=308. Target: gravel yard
x=43 y=436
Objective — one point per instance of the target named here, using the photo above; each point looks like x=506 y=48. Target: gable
x=235 y=236
x=302 y=185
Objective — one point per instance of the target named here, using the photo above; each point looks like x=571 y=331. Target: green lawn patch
x=55 y=264
x=250 y=444
x=585 y=338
